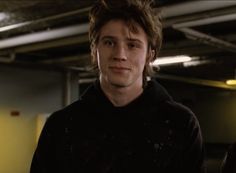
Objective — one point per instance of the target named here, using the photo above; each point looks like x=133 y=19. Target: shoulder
x=180 y=115
x=60 y=118
x=80 y=107
x=167 y=107
x=178 y=109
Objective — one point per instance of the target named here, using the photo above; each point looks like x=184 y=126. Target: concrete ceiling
x=53 y=34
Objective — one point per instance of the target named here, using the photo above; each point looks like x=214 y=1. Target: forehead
x=121 y=28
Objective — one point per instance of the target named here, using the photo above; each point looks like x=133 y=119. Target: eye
x=109 y=43
x=133 y=45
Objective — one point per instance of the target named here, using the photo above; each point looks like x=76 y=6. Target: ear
x=151 y=54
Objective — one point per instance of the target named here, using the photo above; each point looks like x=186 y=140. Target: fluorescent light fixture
x=171 y=60
x=195 y=62
x=231 y=82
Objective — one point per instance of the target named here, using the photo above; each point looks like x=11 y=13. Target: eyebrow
x=108 y=37
x=128 y=39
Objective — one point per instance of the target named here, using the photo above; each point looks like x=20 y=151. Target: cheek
x=140 y=62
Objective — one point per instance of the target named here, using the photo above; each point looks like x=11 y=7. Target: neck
x=121 y=96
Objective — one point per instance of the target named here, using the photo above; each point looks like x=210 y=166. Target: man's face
x=121 y=54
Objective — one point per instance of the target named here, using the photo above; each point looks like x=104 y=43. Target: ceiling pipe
x=207 y=39
x=14 y=26
x=78 y=39
x=199 y=16
x=44 y=36
x=46 y=19
x=166 y=12
x=193 y=7
x=206 y=21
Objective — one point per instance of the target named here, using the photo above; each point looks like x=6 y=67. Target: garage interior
x=45 y=65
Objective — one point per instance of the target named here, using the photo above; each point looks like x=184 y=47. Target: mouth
x=119 y=69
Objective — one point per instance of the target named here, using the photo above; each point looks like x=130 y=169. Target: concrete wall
x=27 y=93
x=214 y=107
x=216 y=112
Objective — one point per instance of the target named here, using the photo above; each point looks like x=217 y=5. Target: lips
x=119 y=68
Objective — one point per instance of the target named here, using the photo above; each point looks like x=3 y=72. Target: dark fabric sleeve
x=194 y=150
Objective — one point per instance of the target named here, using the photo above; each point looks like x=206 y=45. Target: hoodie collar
x=153 y=94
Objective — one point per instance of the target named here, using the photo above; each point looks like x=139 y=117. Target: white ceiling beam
x=207 y=21
x=44 y=36
x=194 y=7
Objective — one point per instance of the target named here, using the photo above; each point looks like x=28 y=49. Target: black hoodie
x=152 y=134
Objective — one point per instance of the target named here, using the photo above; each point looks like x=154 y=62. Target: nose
x=119 y=53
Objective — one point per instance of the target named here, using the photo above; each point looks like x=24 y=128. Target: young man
x=123 y=123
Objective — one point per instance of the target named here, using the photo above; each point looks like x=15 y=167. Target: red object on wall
x=15 y=113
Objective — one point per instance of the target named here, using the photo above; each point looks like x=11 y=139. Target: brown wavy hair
x=133 y=12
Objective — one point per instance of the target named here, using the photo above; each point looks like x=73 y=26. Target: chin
x=119 y=83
